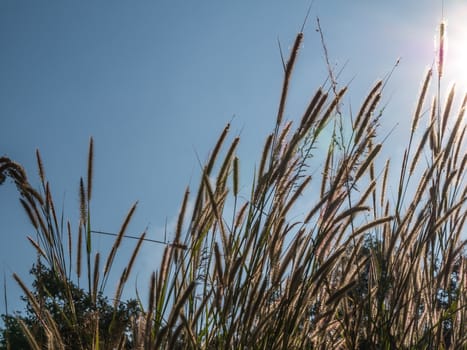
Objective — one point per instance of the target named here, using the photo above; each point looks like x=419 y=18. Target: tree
x=77 y=327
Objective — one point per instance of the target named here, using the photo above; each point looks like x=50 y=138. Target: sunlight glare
x=455 y=68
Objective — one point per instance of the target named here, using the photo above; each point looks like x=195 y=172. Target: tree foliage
x=74 y=320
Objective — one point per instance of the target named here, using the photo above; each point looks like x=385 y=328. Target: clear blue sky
x=154 y=82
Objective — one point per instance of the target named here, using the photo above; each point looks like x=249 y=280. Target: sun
x=455 y=50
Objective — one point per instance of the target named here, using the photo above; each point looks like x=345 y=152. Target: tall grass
x=377 y=261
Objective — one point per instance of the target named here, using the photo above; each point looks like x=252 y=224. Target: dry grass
x=366 y=267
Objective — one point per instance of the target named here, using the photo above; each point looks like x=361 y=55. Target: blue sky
x=154 y=82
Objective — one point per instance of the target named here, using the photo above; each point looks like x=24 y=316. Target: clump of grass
x=58 y=255
x=363 y=268
x=359 y=270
